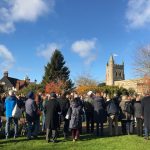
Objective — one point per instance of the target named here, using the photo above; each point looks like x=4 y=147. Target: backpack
x=128 y=107
x=112 y=108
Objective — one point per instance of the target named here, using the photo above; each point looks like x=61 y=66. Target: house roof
x=9 y=81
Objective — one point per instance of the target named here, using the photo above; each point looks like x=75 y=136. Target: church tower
x=114 y=72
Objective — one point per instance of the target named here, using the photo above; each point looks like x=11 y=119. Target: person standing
x=31 y=114
x=146 y=115
x=1 y=111
x=64 y=105
x=99 y=112
x=127 y=115
x=112 y=113
x=45 y=99
x=52 y=110
x=76 y=118
x=138 y=115
x=10 y=103
x=89 y=112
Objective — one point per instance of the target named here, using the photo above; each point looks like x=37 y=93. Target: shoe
x=146 y=138
x=74 y=140
x=35 y=137
x=14 y=137
x=53 y=141
x=29 y=138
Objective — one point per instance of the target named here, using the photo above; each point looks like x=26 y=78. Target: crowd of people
x=48 y=113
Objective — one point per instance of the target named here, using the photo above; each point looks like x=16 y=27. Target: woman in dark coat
x=76 y=118
x=52 y=108
x=146 y=115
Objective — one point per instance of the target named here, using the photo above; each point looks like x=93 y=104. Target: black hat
x=53 y=94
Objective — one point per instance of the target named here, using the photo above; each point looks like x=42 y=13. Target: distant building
x=115 y=76
x=114 y=72
x=15 y=84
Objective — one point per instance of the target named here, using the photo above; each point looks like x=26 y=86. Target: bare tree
x=142 y=68
x=85 y=80
x=142 y=61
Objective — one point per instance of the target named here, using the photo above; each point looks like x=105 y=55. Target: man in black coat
x=99 y=112
x=146 y=115
x=64 y=105
x=112 y=108
x=52 y=108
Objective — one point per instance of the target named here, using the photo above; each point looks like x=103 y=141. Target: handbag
x=17 y=112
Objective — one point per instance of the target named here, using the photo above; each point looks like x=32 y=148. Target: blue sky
x=87 y=32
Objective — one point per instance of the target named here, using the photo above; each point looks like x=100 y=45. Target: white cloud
x=90 y=59
x=85 y=49
x=7 y=59
x=46 y=51
x=138 y=13
x=115 y=55
x=18 y=10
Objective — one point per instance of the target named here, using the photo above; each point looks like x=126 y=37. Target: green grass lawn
x=86 y=142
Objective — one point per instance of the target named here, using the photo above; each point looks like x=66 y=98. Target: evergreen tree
x=56 y=70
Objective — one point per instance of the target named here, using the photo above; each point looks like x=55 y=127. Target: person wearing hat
x=31 y=114
x=52 y=110
x=10 y=103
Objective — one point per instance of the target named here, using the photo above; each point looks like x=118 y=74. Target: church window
x=120 y=74
x=116 y=74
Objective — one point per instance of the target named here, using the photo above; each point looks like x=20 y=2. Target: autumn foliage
x=144 y=87
x=107 y=89
x=57 y=87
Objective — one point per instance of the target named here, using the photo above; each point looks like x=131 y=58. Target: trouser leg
x=92 y=123
x=54 y=135
x=131 y=126
x=110 y=122
x=35 y=128
x=102 y=127
x=15 y=127
x=73 y=133
x=141 y=127
x=97 y=128
x=7 y=127
x=146 y=132
x=0 y=122
x=47 y=135
x=123 y=125
x=138 y=126
x=87 y=124
x=77 y=133
x=29 y=127
x=128 y=126
x=66 y=127
x=43 y=121
x=116 y=125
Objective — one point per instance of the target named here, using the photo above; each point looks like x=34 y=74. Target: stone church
x=115 y=76
x=114 y=72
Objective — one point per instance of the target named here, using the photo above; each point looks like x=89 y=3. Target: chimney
x=6 y=74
